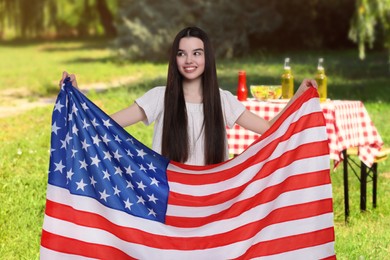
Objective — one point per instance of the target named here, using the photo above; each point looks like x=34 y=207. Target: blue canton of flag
x=91 y=155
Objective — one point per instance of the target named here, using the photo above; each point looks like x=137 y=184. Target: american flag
x=111 y=197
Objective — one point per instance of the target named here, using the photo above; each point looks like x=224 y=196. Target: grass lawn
x=24 y=139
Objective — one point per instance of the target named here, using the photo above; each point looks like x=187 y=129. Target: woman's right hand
x=72 y=79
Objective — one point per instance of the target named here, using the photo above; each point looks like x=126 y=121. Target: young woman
x=191 y=112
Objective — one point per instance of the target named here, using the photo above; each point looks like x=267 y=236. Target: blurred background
x=119 y=49
x=142 y=29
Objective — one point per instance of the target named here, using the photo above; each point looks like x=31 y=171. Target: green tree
x=40 y=18
x=368 y=17
x=146 y=28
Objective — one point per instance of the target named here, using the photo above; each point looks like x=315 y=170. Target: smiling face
x=190 y=58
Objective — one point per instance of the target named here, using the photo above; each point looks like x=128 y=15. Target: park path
x=14 y=102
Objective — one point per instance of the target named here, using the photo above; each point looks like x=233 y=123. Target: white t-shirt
x=152 y=102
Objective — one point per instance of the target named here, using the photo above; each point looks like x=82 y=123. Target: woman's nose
x=188 y=58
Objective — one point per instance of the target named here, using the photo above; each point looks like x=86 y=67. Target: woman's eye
x=180 y=53
x=197 y=53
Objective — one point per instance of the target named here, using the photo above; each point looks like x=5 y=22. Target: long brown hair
x=175 y=143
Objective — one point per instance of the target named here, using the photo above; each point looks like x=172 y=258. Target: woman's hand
x=305 y=85
x=72 y=79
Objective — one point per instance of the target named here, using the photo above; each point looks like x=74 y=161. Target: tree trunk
x=106 y=18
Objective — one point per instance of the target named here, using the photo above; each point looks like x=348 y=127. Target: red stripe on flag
x=267 y=195
x=290 y=243
x=92 y=220
x=302 y=152
x=76 y=247
x=221 y=175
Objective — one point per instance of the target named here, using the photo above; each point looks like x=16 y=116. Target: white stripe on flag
x=286 y=199
x=311 y=106
x=50 y=254
x=97 y=236
x=311 y=253
x=294 y=169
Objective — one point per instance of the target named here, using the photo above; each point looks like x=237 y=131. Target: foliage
x=47 y=18
x=235 y=27
x=311 y=24
x=368 y=16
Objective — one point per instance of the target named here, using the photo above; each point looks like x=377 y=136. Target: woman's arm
x=125 y=117
x=254 y=123
x=129 y=116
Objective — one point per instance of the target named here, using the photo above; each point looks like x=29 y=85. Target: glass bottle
x=242 y=89
x=287 y=80
x=321 y=80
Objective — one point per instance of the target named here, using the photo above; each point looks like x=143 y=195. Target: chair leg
x=374 y=183
x=346 y=195
x=363 y=186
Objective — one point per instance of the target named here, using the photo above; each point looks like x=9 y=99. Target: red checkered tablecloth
x=347 y=122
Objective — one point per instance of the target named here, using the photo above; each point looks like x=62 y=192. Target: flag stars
x=107 y=155
x=75 y=130
x=152 y=198
x=55 y=128
x=74 y=109
x=85 y=145
x=116 y=190
x=130 y=185
x=151 y=212
x=85 y=124
x=93 y=182
x=141 y=185
x=105 y=139
x=69 y=174
x=58 y=106
x=107 y=123
x=128 y=152
x=83 y=164
x=117 y=139
x=154 y=181
x=117 y=155
x=152 y=167
x=141 y=200
x=118 y=170
x=84 y=106
x=106 y=175
x=141 y=153
x=104 y=195
x=94 y=123
x=96 y=140
x=63 y=142
x=59 y=166
x=74 y=151
x=95 y=161
x=81 y=185
x=142 y=168
x=70 y=117
x=129 y=171
x=66 y=141
x=128 y=204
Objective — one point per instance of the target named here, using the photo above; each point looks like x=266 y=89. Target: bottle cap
x=320 y=62
x=287 y=63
